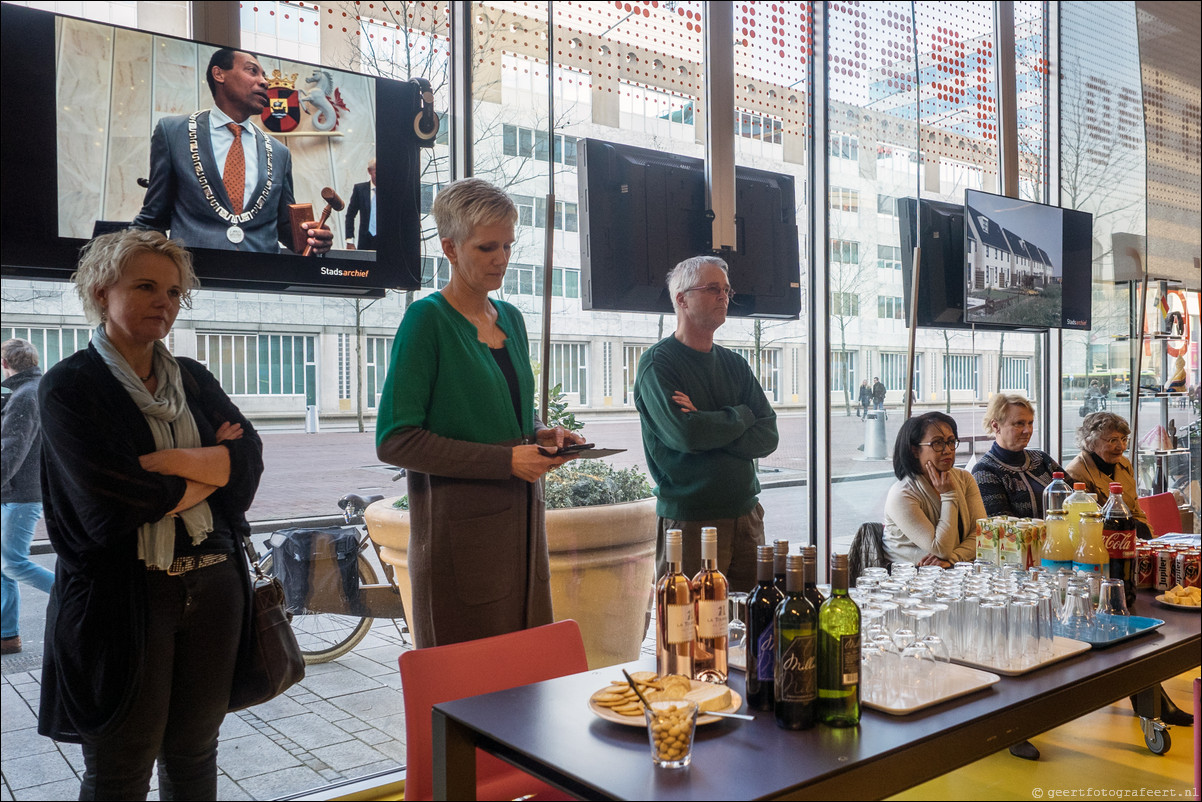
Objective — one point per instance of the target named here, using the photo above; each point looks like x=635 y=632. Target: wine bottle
x=796 y=685
x=839 y=652
x=809 y=555
x=675 y=630
x=709 y=599
x=761 y=634
x=780 y=551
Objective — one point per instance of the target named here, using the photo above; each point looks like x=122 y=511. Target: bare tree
x=849 y=283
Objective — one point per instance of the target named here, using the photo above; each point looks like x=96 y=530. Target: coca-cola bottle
x=1118 y=530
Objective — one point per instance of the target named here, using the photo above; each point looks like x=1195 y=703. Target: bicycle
x=327 y=631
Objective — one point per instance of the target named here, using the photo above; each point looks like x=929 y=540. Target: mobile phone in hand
x=571 y=448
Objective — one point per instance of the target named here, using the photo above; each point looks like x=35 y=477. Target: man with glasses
x=705 y=421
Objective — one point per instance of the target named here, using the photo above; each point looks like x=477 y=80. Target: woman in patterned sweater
x=1011 y=476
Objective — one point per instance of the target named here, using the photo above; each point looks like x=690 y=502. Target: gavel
x=333 y=204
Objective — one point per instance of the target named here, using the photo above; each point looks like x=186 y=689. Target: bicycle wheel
x=327 y=636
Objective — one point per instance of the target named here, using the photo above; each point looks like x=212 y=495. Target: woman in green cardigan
x=457 y=412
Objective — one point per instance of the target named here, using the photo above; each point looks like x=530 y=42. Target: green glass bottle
x=796 y=686
x=839 y=652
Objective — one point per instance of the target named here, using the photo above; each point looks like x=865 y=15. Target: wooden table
x=548 y=730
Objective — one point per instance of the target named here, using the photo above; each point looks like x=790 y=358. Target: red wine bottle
x=761 y=633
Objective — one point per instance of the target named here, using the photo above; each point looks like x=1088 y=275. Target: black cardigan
x=96 y=495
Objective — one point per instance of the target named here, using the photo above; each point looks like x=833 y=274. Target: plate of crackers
x=618 y=703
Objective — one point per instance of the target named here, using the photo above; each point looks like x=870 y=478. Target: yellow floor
x=1103 y=751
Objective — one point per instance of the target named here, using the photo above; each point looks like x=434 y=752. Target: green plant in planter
x=589 y=482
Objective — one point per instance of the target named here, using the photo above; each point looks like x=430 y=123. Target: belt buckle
x=185 y=565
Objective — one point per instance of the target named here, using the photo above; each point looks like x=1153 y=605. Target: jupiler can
x=1164 y=567
x=1186 y=568
x=1144 y=574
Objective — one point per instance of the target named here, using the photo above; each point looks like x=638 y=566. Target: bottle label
x=849 y=656
x=797 y=671
x=1089 y=568
x=1120 y=543
x=765 y=661
x=711 y=619
x=1055 y=565
x=680 y=623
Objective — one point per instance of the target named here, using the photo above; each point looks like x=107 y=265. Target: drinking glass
x=932 y=620
x=1023 y=632
x=1076 y=616
x=992 y=642
x=1112 y=606
x=737 y=631
x=670 y=728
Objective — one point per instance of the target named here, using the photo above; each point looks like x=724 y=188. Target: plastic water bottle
x=1055 y=493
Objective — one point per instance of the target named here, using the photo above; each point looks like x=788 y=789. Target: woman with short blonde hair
x=457 y=411
x=1011 y=476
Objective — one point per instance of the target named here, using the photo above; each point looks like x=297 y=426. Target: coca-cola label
x=1120 y=543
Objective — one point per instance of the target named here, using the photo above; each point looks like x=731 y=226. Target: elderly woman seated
x=1102 y=438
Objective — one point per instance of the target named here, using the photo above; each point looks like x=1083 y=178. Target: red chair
x=1162 y=513
x=445 y=673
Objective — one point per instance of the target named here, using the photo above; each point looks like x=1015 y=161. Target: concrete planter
x=602 y=570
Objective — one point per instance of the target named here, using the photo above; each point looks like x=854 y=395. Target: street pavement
x=346 y=718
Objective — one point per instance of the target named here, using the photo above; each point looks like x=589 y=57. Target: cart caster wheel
x=1158 y=741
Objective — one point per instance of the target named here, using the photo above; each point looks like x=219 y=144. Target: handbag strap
x=252 y=555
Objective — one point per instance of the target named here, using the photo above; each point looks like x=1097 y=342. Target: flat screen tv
x=643 y=211
x=939 y=228
x=84 y=100
x=1026 y=264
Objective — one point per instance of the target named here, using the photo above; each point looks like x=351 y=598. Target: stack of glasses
x=998 y=618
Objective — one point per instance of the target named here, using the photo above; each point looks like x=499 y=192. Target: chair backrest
x=457 y=670
x=867 y=549
x=1162 y=513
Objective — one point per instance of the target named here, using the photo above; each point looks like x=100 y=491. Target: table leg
x=454 y=754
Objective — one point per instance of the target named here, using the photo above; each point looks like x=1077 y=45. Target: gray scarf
x=173 y=426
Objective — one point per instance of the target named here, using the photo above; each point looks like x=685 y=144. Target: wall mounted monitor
x=938 y=227
x=1026 y=264
x=90 y=98
x=643 y=211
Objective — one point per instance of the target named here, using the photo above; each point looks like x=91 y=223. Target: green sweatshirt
x=442 y=379
x=702 y=461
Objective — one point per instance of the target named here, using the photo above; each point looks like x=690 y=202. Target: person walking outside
x=878 y=394
x=21 y=491
x=865 y=398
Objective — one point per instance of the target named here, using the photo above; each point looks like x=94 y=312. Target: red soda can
x=1144 y=571
x=1164 y=567
x=1187 y=566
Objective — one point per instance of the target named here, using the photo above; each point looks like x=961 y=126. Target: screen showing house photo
x=1027 y=265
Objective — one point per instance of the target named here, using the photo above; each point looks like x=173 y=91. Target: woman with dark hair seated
x=932 y=509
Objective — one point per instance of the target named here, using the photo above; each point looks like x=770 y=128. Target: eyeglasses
x=715 y=290
x=1117 y=441
x=942 y=445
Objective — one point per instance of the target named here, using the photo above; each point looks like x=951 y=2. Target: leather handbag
x=269 y=659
